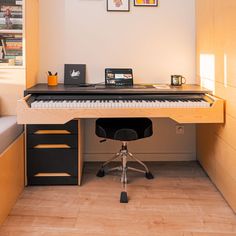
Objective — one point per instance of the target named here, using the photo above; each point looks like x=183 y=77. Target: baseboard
x=144 y=156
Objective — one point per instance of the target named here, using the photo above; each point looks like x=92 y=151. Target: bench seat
x=9 y=131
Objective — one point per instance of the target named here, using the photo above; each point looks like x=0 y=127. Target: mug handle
x=183 y=82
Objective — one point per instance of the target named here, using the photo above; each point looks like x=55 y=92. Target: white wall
x=164 y=145
x=155 y=41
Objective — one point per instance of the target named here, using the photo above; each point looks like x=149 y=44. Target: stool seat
x=124 y=129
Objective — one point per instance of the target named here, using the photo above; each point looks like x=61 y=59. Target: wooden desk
x=27 y=115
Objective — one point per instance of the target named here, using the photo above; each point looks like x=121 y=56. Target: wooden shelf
x=5 y=31
x=12 y=67
x=25 y=74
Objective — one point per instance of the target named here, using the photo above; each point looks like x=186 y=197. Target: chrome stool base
x=124 y=154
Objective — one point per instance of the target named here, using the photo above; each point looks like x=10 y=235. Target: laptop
x=118 y=77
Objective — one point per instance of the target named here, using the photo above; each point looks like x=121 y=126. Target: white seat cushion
x=9 y=131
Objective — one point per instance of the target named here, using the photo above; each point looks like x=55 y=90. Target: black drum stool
x=124 y=129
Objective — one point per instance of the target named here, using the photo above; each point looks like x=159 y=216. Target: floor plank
x=180 y=201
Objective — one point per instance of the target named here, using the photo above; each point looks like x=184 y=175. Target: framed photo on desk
x=146 y=3
x=74 y=74
x=118 y=5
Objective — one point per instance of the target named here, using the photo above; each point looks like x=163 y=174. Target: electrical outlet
x=179 y=129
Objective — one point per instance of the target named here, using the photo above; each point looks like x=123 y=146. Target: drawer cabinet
x=53 y=154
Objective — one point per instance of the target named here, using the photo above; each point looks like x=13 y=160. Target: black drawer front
x=52 y=154
x=71 y=127
x=52 y=161
x=42 y=139
x=52 y=180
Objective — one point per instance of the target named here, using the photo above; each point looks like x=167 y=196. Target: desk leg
x=80 y=149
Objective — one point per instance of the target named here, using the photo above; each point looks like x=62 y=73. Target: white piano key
x=113 y=104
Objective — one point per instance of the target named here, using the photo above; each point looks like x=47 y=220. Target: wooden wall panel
x=32 y=41
x=205 y=24
x=218 y=160
x=11 y=176
x=227 y=93
x=224 y=41
x=205 y=154
x=12 y=85
x=216 y=144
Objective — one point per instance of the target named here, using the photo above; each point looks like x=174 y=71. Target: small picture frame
x=74 y=74
x=118 y=5
x=146 y=3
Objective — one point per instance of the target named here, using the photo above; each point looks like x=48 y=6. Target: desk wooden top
x=102 y=89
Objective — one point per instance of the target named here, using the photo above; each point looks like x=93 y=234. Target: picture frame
x=146 y=3
x=118 y=5
x=74 y=74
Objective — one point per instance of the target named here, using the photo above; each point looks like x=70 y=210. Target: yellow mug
x=52 y=80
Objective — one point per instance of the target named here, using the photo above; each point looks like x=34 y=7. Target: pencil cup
x=52 y=80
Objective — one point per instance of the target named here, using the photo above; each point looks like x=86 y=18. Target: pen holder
x=52 y=80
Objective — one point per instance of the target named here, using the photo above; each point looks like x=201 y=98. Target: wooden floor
x=180 y=201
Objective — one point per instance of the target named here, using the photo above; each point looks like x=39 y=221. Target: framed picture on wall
x=118 y=5
x=146 y=3
x=74 y=74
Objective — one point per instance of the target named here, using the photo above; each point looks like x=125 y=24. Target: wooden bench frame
x=11 y=176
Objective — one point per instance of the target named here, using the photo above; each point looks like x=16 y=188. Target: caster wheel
x=149 y=175
x=101 y=173
x=123 y=197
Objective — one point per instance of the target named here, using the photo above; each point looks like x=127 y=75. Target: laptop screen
x=118 y=77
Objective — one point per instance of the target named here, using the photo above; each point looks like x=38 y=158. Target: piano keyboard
x=59 y=107
x=159 y=103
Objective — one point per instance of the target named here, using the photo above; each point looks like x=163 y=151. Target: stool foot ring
x=101 y=173
x=123 y=197
x=149 y=175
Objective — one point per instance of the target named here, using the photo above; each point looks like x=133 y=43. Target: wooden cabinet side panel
x=11 y=176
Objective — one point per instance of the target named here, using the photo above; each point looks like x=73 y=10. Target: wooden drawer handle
x=52 y=175
x=42 y=146
x=52 y=132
